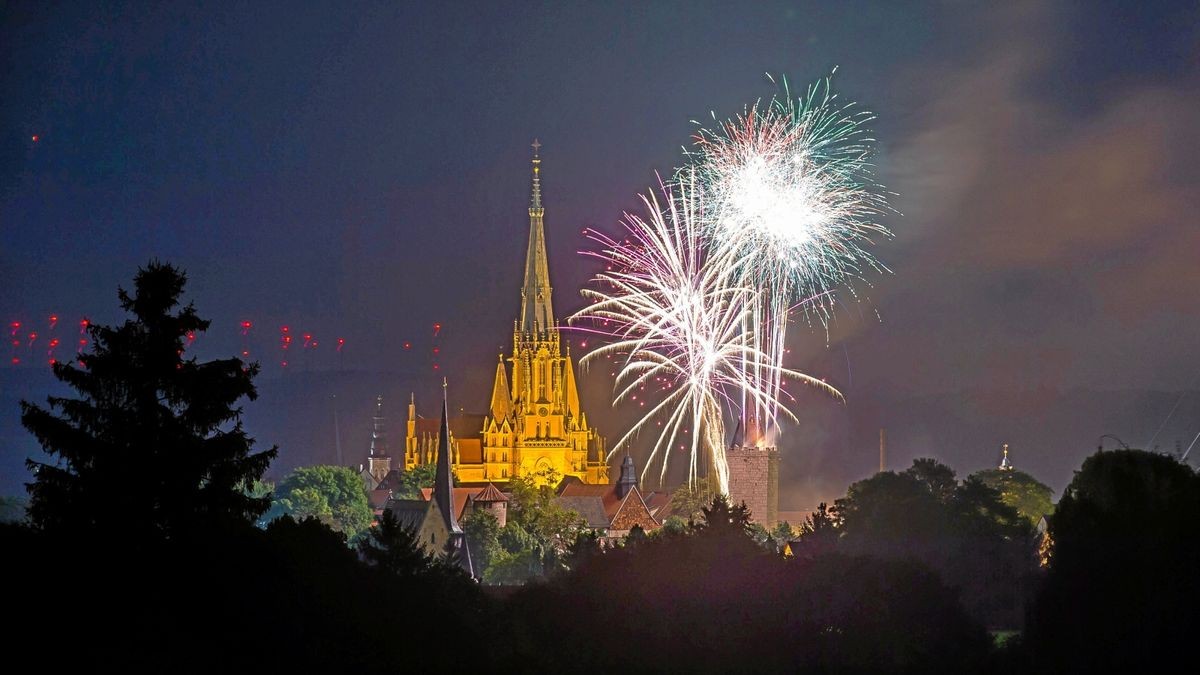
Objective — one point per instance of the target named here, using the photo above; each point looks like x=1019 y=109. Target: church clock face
x=542 y=411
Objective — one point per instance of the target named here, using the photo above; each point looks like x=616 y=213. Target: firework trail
x=674 y=311
x=790 y=201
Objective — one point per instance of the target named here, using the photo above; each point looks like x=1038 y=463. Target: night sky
x=361 y=171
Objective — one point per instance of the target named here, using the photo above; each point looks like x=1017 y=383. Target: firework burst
x=676 y=314
x=790 y=201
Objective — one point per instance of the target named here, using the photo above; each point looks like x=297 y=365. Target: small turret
x=628 y=479
x=1005 y=465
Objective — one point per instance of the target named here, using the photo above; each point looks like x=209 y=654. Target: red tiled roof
x=606 y=493
x=461 y=496
x=490 y=494
x=378 y=498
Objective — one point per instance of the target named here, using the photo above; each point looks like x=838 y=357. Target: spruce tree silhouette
x=393 y=548
x=153 y=448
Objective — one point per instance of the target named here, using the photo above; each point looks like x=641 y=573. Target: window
x=432 y=537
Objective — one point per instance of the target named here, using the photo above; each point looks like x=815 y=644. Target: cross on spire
x=535 y=145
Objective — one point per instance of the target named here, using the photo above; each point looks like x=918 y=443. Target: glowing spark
x=675 y=313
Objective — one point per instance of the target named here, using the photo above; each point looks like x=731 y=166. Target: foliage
x=962 y=530
x=334 y=495
x=483 y=537
x=674 y=525
x=1023 y=492
x=417 y=478
x=507 y=568
x=393 y=548
x=1122 y=592
x=818 y=534
x=693 y=591
x=153 y=447
x=688 y=501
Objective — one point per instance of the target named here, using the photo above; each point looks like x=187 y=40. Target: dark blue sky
x=360 y=170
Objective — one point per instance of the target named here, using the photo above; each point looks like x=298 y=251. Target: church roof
x=600 y=506
x=607 y=494
x=378 y=498
x=590 y=508
x=463 y=425
x=470 y=450
x=390 y=481
x=408 y=512
x=462 y=495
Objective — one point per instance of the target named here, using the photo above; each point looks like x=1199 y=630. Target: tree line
x=146 y=547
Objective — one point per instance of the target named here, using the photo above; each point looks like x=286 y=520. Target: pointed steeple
x=536 y=311
x=572 y=392
x=443 y=485
x=501 y=400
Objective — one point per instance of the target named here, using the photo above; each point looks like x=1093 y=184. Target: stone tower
x=379 y=463
x=753 y=473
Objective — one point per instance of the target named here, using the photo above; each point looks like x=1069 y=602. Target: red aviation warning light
x=32 y=338
x=407 y=346
x=53 y=321
x=341 y=343
x=83 y=325
x=437 y=328
x=246 y=326
x=16 y=327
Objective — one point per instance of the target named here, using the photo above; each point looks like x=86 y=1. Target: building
x=435 y=520
x=754 y=474
x=534 y=425
x=612 y=510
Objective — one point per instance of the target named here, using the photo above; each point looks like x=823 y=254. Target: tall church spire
x=536 y=311
x=443 y=484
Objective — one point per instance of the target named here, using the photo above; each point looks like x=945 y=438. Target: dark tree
x=962 y=530
x=938 y=478
x=1123 y=588
x=818 y=534
x=724 y=520
x=393 y=548
x=153 y=447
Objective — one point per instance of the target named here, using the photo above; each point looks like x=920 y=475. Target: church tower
x=379 y=463
x=533 y=425
x=537 y=425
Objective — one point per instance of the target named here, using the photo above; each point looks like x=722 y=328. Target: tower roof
x=572 y=392
x=443 y=485
x=501 y=400
x=536 y=310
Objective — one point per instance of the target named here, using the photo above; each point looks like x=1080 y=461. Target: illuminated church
x=534 y=422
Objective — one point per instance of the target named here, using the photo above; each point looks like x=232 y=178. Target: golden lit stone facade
x=535 y=425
